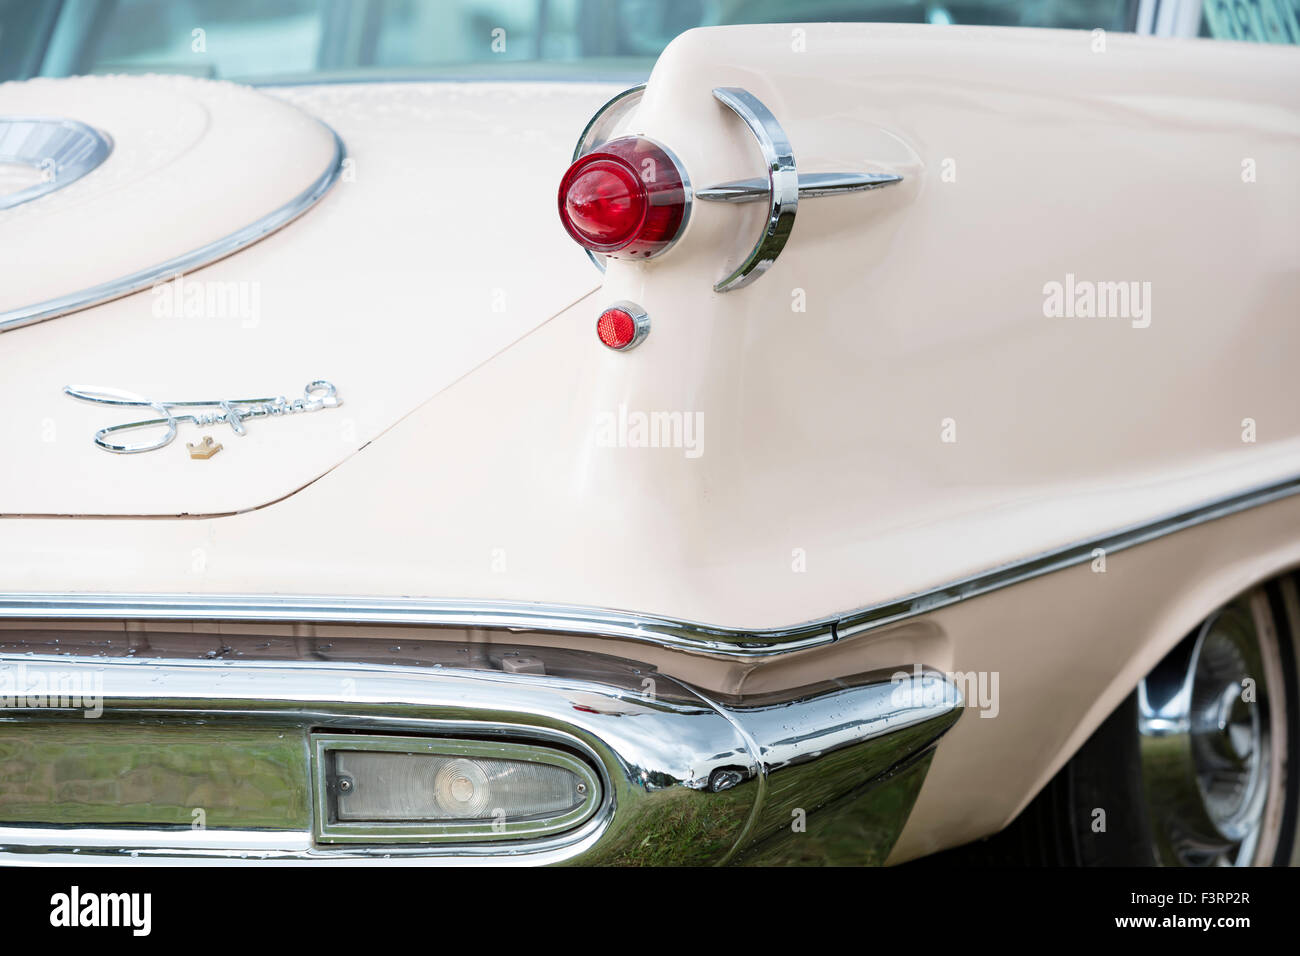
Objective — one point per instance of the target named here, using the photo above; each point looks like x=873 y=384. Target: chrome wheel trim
x=1211 y=720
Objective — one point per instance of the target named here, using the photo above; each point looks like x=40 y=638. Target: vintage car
x=794 y=470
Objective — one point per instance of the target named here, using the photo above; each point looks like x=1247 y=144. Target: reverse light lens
x=392 y=786
x=389 y=789
x=628 y=199
x=461 y=789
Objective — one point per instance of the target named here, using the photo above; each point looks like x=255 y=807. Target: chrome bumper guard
x=828 y=774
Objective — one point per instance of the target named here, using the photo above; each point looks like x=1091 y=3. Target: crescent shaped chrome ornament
x=782 y=185
x=783 y=188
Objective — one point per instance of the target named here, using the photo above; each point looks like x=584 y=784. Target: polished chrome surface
x=812 y=750
x=1209 y=744
x=791 y=732
x=317 y=395
x=108 y=773
x=330 y=829
x=654 y=754
x=623 y=625
x=434 y=613
x=811 y=185
x=683 y=779
x=853 y=829
x=186 y=262
x=688 y=196
x=782 y=191
x=640 y=322
x=63 y=150
x=600 y=129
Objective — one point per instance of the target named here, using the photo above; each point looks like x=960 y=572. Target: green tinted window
x=1252 y=21
x=306 y=40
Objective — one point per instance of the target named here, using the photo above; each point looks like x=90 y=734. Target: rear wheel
x=1198 y=767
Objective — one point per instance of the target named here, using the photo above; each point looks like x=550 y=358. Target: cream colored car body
x=436 y=288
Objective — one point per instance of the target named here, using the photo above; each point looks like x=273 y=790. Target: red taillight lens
x=628 y=199
x=603 y=203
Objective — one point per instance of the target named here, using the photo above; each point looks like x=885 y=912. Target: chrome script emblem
x=228 y=411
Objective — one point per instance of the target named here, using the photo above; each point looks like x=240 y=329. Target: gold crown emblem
x=203 y=449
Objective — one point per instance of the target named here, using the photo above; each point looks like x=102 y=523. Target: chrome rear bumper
x=685 y=778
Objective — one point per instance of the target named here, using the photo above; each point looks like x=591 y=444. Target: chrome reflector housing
x=379 y=789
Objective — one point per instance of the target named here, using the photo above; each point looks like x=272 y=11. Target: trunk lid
x=437 y=247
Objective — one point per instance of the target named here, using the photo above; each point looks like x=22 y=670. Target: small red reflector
x=622 y=326
x=616 y=328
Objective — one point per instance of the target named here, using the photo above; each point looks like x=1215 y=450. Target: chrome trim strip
x=783 y=185
x=923 y=602
x=64 y=149
x=187 y=262
x=669 y=760
x=600 y=622
x=811 y=186
x=499 y=615
x=116 y=840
